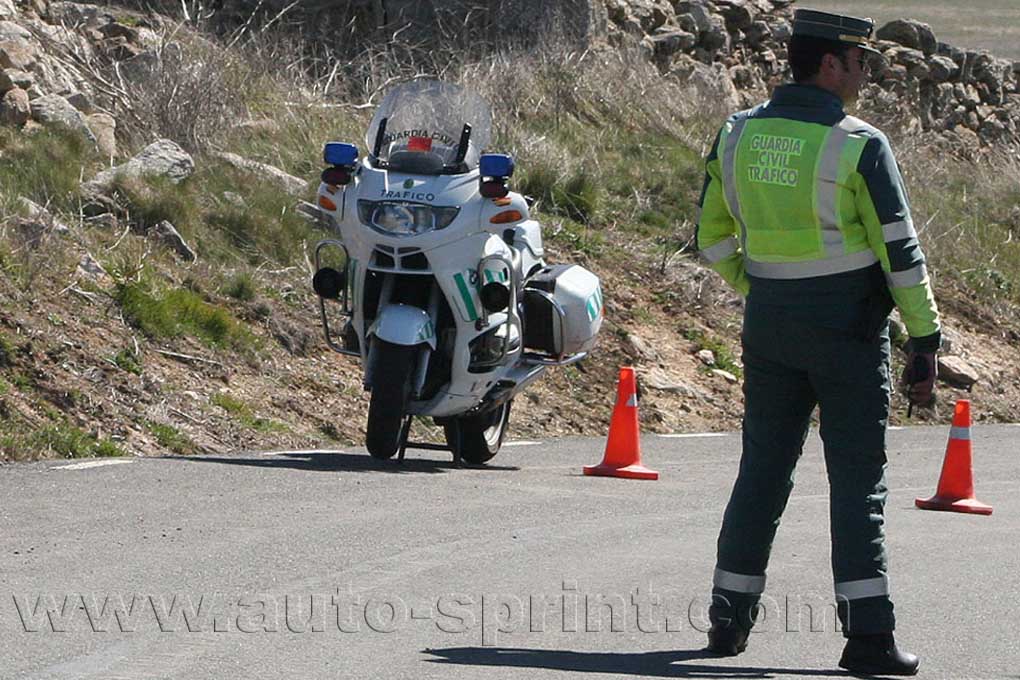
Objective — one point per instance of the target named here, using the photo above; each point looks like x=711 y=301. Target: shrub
x=181 y=311
x=170 y=438
x=240 y=286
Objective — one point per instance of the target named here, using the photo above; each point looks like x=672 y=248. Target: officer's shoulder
x=856 y=126
x=743 y=115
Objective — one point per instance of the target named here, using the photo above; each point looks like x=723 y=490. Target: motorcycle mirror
x=328 y=283
x=495 y=297
x=340 y=153
x=496 y=166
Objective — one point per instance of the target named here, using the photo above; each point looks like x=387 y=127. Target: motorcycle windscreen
x=424 y=122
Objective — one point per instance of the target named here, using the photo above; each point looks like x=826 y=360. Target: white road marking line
x=521 y=443
x=699 y=434
x=893 y=428
x=300 y=452
x=93 y=464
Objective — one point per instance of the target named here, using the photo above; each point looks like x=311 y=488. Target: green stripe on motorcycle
x=465 y=295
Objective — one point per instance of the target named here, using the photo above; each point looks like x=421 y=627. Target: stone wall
x=969 y=97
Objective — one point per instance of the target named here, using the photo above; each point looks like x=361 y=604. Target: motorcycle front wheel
x=391 y=388
x=481 y=435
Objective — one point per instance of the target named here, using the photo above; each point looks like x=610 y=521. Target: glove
x=919 y=377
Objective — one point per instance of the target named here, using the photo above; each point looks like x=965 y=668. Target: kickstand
x=456 y=443
x=405 y=431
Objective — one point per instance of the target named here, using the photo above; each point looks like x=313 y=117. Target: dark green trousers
x=794 y=359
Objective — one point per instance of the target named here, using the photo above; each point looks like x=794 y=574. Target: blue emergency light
x=341 y=154
x=496 y=165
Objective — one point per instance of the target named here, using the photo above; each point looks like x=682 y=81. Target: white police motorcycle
x=435 y=277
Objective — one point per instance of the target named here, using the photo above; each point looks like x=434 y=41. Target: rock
x=906 y=56
x=707 y=357
x=967 y=96
x=7 y=9
x=910 y=33
x=668 y=42
x=77 y=14
x=698 y=13
x=262 y=125
x=79 y=101
x=642 y=16
x=957 y=372
x=18 y=53
x=713 y=84
x=716 y=38
x=758 y=33
x=782 y=31
x=297 y=340
x=52 y=109
x=89 y=268
x=12 y=31
x=992 y=132
x=104 y=127
x=14 y=78
x=106 y=221
x=167 y=234
x=39 y=214
x=738 y=14
x=725 y=375
x=942 y=68
x=655 y=379
x=15 y=108
x=640 y=347
x=289 y=183
x=163 y=158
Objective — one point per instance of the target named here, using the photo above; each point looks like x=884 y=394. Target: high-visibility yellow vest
x=797 y=189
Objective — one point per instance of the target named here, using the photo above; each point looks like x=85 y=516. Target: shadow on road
x=672 y=664
x=337 y=461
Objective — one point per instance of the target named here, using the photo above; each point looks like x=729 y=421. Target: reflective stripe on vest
x=720 y=251
x=803 y=270
x=831 y=175
x=738 y=583
x=898 y=231
x=827 y=183
x=858 y=590
x=729 y=177
x=914 y=276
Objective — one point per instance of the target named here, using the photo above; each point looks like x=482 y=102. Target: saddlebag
x=562 y=310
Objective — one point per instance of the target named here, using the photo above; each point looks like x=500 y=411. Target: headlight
x=405 y=219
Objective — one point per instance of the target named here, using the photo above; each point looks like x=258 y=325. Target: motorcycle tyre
x=481 y=436
x=391 y=390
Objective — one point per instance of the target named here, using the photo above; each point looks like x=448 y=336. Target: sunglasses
x=862 y=61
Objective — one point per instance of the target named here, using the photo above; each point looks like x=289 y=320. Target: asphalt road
x=330 y=565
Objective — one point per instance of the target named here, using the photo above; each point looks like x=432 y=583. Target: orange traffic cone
x=955 y=492
x=623 y=450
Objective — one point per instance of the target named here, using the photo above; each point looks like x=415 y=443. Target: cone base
x=636 y=471
x=967 y=505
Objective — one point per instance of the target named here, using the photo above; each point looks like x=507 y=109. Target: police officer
x=804 y=211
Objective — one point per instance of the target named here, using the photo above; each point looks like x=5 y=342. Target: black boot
x=877 y=655
x=727 y=640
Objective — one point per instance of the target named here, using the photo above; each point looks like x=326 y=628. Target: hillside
x=165 y=306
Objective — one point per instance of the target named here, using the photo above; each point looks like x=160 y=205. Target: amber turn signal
x=506 y=217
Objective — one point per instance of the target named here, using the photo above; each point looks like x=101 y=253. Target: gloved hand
x=919 y=377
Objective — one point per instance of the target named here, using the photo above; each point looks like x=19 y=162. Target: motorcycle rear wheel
x=481 y=436
x=391 y=389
